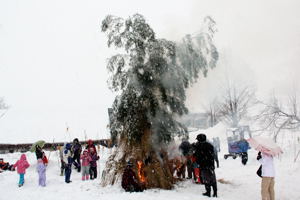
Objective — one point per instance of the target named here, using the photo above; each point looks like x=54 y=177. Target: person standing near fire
x=204 y=153
x=186 y=150
x=130 y=182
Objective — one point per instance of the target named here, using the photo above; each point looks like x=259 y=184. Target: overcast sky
x=53 y=57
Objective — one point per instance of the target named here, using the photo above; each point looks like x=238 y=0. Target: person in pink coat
x=21 y=166
x=85 y=164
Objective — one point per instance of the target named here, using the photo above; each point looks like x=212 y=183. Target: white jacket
x=66 y=156
x=268 y=169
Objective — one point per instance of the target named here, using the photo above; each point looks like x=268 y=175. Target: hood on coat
x=75 y=141
x=68 y=146
x=85 y=152
x=90 y=142
x=23 y=157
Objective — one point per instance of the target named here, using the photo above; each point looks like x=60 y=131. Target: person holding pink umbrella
x=267 y=150
x=268 y=176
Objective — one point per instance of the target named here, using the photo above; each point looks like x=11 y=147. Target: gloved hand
x=258 y=156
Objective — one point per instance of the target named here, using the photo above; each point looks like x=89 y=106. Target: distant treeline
x=10 y=148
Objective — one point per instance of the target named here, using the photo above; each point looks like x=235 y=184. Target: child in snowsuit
x=196 y=171
x=86 y=159
x=41 y=169
x=93 y=164
x=68 y=162
x=21 y=166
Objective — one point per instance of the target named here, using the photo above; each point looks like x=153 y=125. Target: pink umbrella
x=265 y=145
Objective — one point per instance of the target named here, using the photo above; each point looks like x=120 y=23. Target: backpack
x=259 y=171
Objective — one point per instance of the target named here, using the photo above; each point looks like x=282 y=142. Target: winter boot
x=215 y=190
x=207 y=193
x=86 y=177
x=83 y=178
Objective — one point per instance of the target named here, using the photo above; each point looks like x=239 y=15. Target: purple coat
x=94 y=158
x=21 y=164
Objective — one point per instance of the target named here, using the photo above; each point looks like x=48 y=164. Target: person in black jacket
x=38 y=152
x=204 y=153
x=76 y=149
x=186 y=149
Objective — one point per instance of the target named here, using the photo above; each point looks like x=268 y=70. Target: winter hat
x=68 y=146
x=201 y=137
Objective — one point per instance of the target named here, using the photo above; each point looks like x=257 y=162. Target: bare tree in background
x=234 y=104
x=3 y=107
x=276 y=116
x=213 y=112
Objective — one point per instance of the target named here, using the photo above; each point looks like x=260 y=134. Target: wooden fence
x=10 y=148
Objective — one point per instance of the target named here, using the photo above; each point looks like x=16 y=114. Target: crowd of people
x=84 y=161
x=198 y=159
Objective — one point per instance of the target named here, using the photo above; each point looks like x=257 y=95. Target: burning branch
x=141 y=172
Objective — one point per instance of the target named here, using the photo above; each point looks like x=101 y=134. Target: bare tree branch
x=235 y=103
x=276 y=117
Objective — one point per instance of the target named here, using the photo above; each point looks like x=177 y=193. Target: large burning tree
x=150 y=76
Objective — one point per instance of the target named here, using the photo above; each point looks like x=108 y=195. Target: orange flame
x=140 y=171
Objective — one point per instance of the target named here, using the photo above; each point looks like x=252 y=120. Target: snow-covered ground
x=243 y=182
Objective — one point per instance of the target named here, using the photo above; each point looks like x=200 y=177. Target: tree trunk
x=154 y=172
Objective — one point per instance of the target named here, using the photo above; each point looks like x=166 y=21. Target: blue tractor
x=237 y=143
